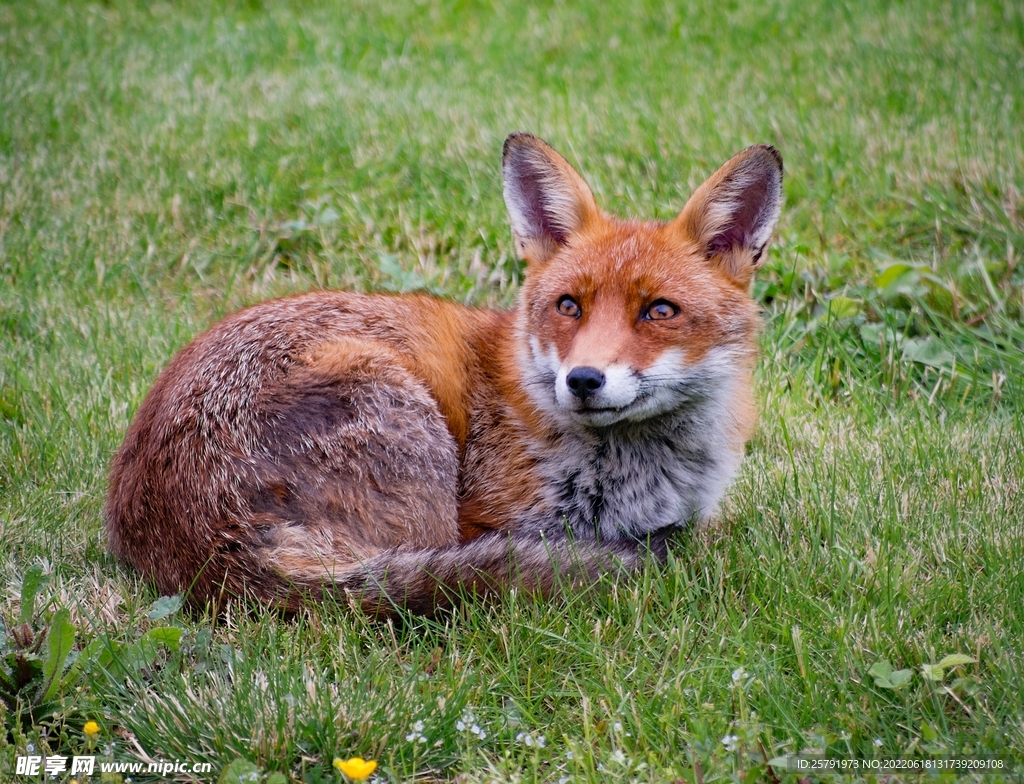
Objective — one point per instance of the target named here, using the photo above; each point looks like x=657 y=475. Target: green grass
x=162 y=164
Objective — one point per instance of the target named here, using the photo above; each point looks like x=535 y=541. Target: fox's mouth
x=607 y=415
x=601 y=417
x=586 y=409
x=595 y=405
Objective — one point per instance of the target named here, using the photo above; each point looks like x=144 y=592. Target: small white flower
x=877 y=742
x=730 y=741
x=417 y=733
x=568 y=754
x=468 y=722
x=528 y=740
x=30 y=748
x=619 y=757
x=617 y=726
x=738 y=674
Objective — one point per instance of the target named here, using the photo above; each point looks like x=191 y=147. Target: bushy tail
x=424 y=581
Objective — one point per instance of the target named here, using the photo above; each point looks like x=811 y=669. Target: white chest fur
x=637 y=478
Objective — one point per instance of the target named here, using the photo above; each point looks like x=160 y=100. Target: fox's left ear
x=731 y=217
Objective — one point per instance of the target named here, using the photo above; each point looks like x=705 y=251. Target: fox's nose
x=584 y=381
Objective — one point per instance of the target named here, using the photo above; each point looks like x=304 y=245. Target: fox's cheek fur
x=673 y=385
x=538 y=366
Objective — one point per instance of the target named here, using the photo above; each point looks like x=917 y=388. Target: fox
x=402 y=452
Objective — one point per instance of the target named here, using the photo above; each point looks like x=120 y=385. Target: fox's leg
x=355 y=458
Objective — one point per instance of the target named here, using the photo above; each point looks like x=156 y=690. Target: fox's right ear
x=547 y=200
x=732 y=216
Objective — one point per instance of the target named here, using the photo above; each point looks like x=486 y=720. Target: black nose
x=584 y=381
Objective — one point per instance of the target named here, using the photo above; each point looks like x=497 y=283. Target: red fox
x=402 y=451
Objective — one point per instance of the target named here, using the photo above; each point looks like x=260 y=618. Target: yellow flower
x=356 y=768
x=91 y=728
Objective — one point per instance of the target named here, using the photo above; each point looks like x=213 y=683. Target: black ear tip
x=514 y=140
x=772 y=153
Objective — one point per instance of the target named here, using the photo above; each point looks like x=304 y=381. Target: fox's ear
x=547 y=200
x=731 y=217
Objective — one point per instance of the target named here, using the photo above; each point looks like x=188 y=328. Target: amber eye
x=661 y=309
x=567 y=306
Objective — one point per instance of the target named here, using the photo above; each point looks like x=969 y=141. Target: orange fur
x=400 y=449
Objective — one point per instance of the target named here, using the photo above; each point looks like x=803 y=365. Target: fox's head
x=624 y=321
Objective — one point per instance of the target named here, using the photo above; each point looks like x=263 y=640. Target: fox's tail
x=424 y=581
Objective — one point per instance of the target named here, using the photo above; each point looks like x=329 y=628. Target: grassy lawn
x=163 y=164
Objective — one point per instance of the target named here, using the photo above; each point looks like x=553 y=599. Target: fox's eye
x=567 y=306
x=661 y=309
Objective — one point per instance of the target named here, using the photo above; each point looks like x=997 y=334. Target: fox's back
x=319 y=411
